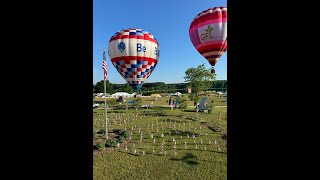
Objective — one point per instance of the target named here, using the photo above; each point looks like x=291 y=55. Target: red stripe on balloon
x=213 y=47
x=133 y=37
x=128 y=58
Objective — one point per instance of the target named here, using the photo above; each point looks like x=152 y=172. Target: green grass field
x=197 y=160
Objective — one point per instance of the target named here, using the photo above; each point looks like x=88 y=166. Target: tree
x=99 y=87
x=127 y=88
x=182 y=103
x=93 y=90
x=200 y=79
x=137 y=102
x=156 y=87
x=194 y=98
x=220 y=85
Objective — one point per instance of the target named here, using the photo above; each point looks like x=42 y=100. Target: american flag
x=104 y=66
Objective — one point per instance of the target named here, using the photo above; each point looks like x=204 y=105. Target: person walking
x=172 y=105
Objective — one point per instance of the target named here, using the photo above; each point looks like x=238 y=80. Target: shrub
x=182 y=102
x=111 y=143
x=194 y=98
x=125 y=134
x=100 y=145
x=122 y=139
x=209 y=107
x=102 y=131
x=138 y=102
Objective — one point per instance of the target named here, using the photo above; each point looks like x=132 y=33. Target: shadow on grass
x=192 y=162
x=188 y=158
x=214 y=128
x=189 y=110
x=181 y=133
x=220 y=152
x=132 y=154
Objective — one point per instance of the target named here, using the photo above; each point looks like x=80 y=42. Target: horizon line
x=162 y=82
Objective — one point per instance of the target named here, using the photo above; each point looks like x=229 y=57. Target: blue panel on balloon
x=140 y=62
x=132 y=33
x=133 y=66
x=136 y=87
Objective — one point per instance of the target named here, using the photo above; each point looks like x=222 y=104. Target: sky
x=168 y=21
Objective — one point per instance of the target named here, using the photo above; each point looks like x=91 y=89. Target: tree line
x=156 y=87
x=199 y=79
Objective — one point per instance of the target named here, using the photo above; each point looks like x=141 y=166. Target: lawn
x=204 y=157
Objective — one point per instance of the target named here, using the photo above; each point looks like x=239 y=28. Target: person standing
x=172 y=105
x=176 y=102
x=197 y=107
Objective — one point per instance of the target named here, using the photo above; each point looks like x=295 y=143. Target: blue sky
x=167 y=20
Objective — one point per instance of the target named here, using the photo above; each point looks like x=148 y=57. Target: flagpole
x=105 y=107
x=105 y=93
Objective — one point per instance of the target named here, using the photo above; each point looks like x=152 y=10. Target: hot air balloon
x=208 y=34
x=134 y=53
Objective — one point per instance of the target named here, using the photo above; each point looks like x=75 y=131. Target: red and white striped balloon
x=208 y=33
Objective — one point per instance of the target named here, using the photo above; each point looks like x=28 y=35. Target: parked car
x=96 y=105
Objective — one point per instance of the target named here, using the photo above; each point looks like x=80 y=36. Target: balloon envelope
x=208 y=33
x=134 y=53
